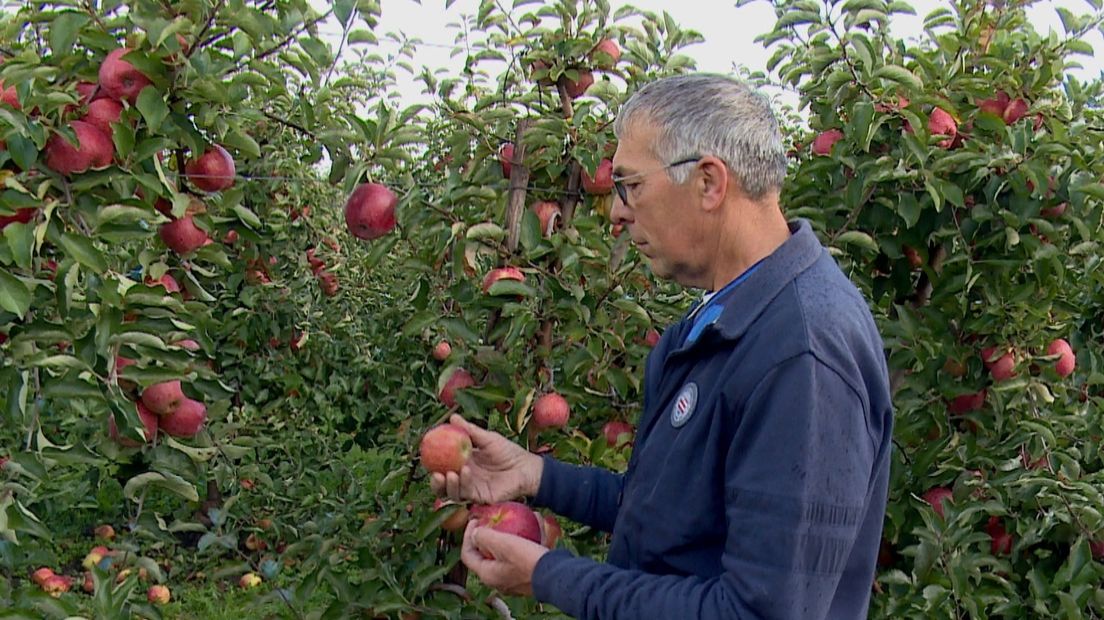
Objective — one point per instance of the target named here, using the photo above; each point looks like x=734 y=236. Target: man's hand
x=512 y=559
x=498 y=470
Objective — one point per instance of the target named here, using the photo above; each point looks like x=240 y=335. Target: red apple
x=94 y=150
x=617 y=433
x=602 y=181
x=105 y=531
x=89 y=584
x=505 y=158
x=213 y=171
x=550 y=411
x=56 y=585
x=936 y=497
x=509 y=518
x=606 y=54
x=651 y=337
x=942 y=123
x=94 y=556
x=1096 y=548
x=502 y=273
x=967 y=403
x=163 y=398
x=328 y=282
x=120 y=79
x=249 y=581
x=996 y=105
x=102 y=113
x=457 y=521
x=167 y=282
x=575 y=88
x=445 y=448
x=1065 y=364
x=1055 y=212
x=231 y=237
x=41 y=575
x=186 y=420
x=183 y=236
x=370 y=211
x=187 y=344
x=547 y=213
x=551 y=532
x=1015 y=111
x=88 y=92
x=9 y=96
x=442 y=351
x=1003 y=368
x=1001 y=543
x=912 y=256
x=21 y=216
x=158 y=594
x=459 y=379
x=149 y=422
x=825 y=140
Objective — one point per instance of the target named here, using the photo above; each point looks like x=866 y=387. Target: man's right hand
x=499 y=470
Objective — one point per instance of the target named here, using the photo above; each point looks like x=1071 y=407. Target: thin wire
x=250 y=177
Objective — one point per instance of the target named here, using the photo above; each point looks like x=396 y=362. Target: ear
x=714 y=182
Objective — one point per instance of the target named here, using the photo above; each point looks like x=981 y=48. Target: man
x=758 y=481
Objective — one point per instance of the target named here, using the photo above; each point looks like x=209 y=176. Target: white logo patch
x=684 y=405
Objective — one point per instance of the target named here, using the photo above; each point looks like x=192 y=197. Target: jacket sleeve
x=587 y=495
x=797 y=474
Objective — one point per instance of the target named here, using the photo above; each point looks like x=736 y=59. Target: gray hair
x=711 y=114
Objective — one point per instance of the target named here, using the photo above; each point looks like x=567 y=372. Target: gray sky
x=729 y=32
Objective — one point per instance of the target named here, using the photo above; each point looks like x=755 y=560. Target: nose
x=619 y=213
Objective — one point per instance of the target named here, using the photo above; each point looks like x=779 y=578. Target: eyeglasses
x=619 y=182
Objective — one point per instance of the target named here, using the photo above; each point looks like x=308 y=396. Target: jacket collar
x=744 y=305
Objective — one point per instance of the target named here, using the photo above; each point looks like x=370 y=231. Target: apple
x=105 y=532
x=606 y=54
x=163 y=398
x=550 y=411
x=442 y=351
x=186 y=420
x=101 y=113
x=213 y=171
x=1002 y=367
x=230 y=238
x=547 y=213
x=150 y=422
x=88 y=92
x=1068 y=360
x=183 y=236
x=900 y=104
x=455 y=522
x=120 y=79
x=954 y=367
x=255 y=543
x=56 y=585
x=158 y=594
x=1055 y=212
x=505 y=157
x=167 y=282
x=249 y=581
x=617 y=433
x=602 y=181
x=936 y=497
x=1096 y=548
x=502 y=273
x=370 y=211
x=509 y=518
x=41 y=575
x=539 y=66
x=94 y=556
x=651 y=337
x=316 y=264
x=551 y=532
x=825 y=140
x=996 y=105
x=575 y=88
x=187 y=344
x=942 y=123
x=329 y=283
x=9 y=96
x=94 y=150
x=967 y=403
x=89 y=584
x=912 y=256
x=1001 y=543
x=445 y=448
x=1015 y=111
x=21 y=216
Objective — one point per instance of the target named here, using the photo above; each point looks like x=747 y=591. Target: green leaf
x=169 y=481
x=153 y=108
x=510 y=288
x=857 y=238
x=14 y=296
x=901 y=75
x=247 y=216
x=20 y=238
x=64 y=29
x=84 y=252
x=486 y=230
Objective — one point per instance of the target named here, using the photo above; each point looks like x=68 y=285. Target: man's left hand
x=512 y=559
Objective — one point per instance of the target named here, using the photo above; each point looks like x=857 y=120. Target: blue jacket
x=757 y=485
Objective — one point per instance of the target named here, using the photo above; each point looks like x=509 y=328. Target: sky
x=729 y=32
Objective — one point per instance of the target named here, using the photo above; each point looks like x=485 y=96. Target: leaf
x=64 y=29
x=85 y=252
x=901 y=75
x=486 y=230
x=172 y=482
x=20 y=238
x=248 y=217
x=153 y=108
x=14 y=296
x=858 y=238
